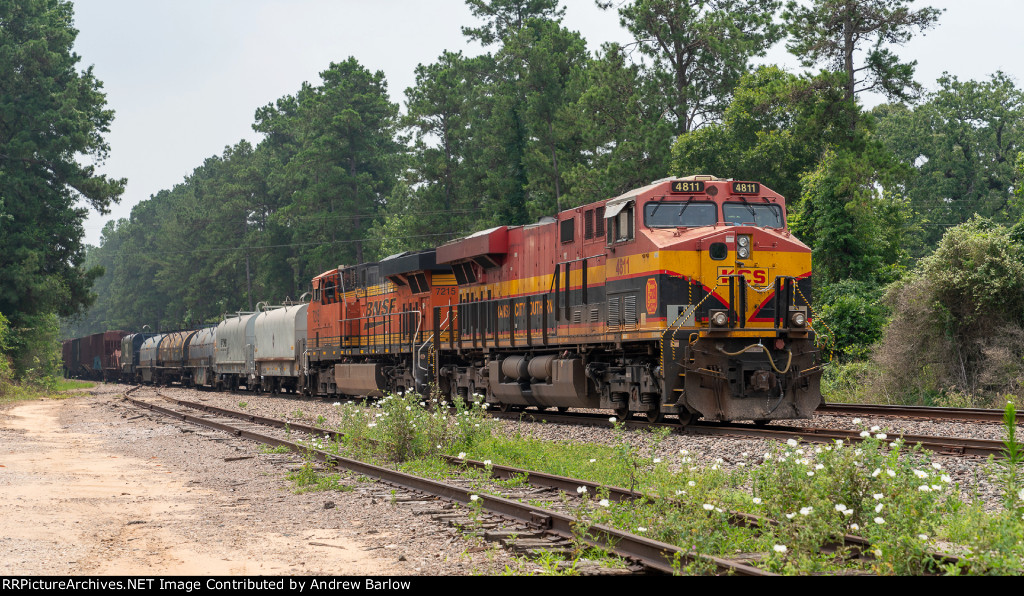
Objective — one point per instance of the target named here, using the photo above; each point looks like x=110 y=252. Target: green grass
x=58 y=389
x=890 y=493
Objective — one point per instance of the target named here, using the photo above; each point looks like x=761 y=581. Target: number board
x=687 y=186
x=746 y=188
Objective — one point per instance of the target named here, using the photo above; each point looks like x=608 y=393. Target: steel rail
x=651 y=553
x=940 y=445
x=923 y=412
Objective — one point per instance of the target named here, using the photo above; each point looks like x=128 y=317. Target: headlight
x=743 y=247
x=719 y=319
x=798 y=319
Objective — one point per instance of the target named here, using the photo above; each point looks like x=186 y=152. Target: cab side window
x=621 y=228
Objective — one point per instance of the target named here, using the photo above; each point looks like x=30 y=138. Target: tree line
x=538 y=123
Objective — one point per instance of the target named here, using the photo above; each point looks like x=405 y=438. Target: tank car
x=688 y=297
x=130 y=346
x=235 y=354
x=280 y=343
x=147 y=370
x=200 y=363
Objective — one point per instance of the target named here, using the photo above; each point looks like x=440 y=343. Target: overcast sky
x=185 y=77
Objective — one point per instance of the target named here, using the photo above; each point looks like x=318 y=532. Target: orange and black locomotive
x=686 y=297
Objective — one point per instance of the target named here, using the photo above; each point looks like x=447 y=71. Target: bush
x=854 y=314
x=957 y=318
x=6 y=371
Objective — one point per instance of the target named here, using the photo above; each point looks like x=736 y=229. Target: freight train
x=688 y=297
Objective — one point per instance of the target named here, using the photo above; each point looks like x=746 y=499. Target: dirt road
x=91 y=487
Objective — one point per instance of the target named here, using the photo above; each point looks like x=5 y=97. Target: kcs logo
x=754 y=276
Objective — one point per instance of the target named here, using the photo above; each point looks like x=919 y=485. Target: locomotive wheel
x=655 y=415
x=505 y=408
x=622 y=414
x=686 y=418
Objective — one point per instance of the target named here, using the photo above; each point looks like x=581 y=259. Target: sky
x=185 y=78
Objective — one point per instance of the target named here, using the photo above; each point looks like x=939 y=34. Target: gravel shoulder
x=90 y=486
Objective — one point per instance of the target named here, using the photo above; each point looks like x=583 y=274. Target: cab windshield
x=674 y=214
x=760 y=215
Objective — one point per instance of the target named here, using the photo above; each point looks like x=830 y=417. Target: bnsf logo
x=754 y=276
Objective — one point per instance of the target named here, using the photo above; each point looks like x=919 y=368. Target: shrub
x=956 y=322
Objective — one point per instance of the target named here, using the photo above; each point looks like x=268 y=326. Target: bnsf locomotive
x=687 y=297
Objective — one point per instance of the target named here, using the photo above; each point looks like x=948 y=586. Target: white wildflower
x=757 y=500
x=865 y=434
x=879 y=507
x=603 y=503
x=876 y=472
x=924 y=488
x=582 y=490
x=792 y=442
x=780 y=548
x=881 y=436
x=856 y=420
x=474 y=497
x=708 y=507
x=879 y=520
x=806 y=510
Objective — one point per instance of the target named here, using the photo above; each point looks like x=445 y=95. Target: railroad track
x=544 y=528
x=941 y=445
x=528 y=524
x=917 y=412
